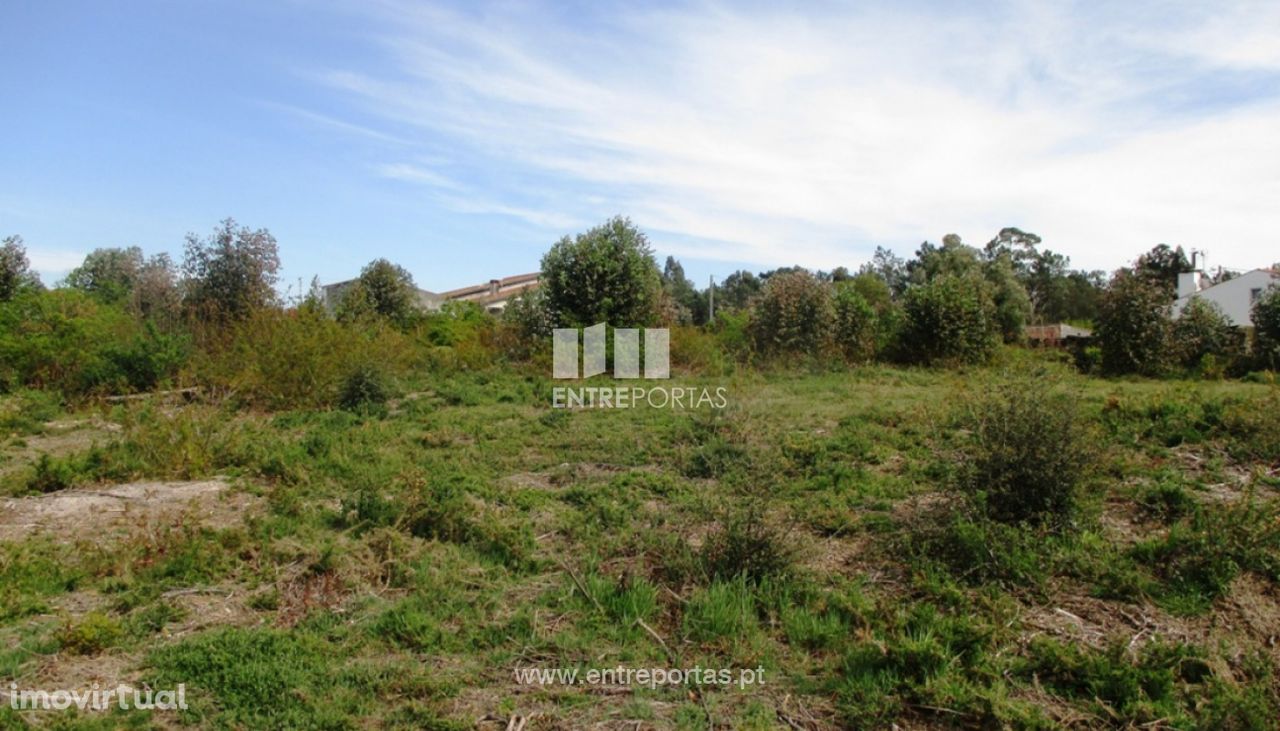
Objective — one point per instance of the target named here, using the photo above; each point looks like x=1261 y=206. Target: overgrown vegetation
x=401 y=522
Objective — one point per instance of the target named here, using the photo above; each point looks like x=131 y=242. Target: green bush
x=856 y=327
x=1133 y=328
x=950 y=319
x=280 y=360
x=149 y=359
x=1266 y=328
x=1203 y=332
x=747 y=547
x=91 y=635
x=366 y=388
x=792 y=317
x=1026 y=453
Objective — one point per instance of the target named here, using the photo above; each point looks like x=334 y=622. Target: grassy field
x=396 y=567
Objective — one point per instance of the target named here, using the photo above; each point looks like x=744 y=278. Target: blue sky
x=461 y=140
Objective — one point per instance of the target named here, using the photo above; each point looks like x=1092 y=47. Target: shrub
x=607 y=274
x=747 y=547
x=1202 y=331
x=793 y=316
x=526 y=324
x=150 y=358
x=1026 y=453
x=856 y=326
x=91 y=635
x=1266 y=322
x=950 y=319
x=62 y=339
x=278 y=359
x=1133 y=326
x=365 y=388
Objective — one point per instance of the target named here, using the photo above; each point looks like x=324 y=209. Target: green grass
x=398 y=562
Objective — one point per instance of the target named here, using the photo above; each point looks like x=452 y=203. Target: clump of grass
x=1134 y=688
x=748 y=546
x=94 y=633
x=1026 y=454
x=1202 y=554
x=258 y=678
x=52 y=474
x=724 y=610
x=443 y=510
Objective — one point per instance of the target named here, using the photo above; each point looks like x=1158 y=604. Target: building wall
x=1234 y=296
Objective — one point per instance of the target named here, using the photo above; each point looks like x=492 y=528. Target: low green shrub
x=1025 y=455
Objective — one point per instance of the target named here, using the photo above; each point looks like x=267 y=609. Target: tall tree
x=606 y=274
x=15 y=268
x=383 y=290
x=1162 y=265
x=108 y=274
x=231 y=272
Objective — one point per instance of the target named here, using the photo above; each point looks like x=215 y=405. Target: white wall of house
x=1234 y=296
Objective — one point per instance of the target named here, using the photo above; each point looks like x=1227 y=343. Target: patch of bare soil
x=75 y=514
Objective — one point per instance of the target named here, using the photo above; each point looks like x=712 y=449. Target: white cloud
x=787 y=137
x=51 y=264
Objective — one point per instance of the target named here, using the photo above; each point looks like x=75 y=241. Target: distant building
x=1056 y=334
x=493 y=297
x=1235 y=296
x=429 y=301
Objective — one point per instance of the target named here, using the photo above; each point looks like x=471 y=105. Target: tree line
x=126 y=321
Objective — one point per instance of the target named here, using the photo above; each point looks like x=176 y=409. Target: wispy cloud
x=52 y=265
x=785 y=136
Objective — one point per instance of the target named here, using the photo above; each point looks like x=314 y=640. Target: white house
x=1235 y=296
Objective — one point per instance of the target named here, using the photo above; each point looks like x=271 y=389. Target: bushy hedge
x=1133 y=329
x=793 y=316
x=66 y=340
x=950 y=319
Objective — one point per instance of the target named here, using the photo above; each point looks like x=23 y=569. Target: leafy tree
x=792 y=316
x=15 y=269
x=108 y=274
x=690 y=305
x=383 y=290
x=888 y=313
x=949 y=319
x=1162 y=265
x=1013 y=306
x=607 y=274
x=155 y=295
x=952 y=258
x=526 y=323
x=1201 y=330
x=889 y=267
x=737 y=290
x=1133 y=326
x=856 y=328
x=1266 y=324
x=230 y=273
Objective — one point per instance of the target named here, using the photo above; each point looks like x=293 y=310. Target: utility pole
x=711 y=299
